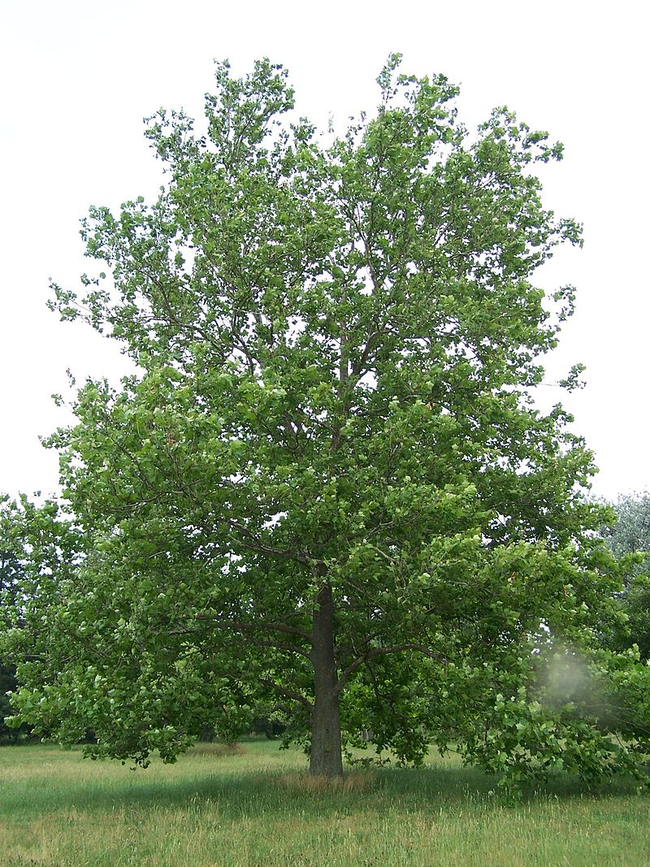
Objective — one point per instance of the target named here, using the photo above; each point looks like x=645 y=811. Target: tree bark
x=325 y=759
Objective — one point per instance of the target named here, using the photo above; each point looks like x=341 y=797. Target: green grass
x=258 y=808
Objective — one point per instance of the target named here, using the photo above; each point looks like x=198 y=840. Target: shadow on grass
x=283 y=794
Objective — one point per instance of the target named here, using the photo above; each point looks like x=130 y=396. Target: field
x=255 y=807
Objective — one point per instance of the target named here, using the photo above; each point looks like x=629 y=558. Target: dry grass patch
x=354 y=782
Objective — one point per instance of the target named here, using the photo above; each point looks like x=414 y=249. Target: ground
x=257 y=807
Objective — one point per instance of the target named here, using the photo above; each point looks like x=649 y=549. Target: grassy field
x=257 y=808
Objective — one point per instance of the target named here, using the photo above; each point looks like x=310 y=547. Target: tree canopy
x=328 y=487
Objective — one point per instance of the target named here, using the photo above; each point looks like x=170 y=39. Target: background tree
x=328 y=486
x=32 y=548
x=9 y=571
x=630 y=535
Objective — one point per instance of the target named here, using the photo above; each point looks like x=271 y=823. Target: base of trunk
x=326 y=759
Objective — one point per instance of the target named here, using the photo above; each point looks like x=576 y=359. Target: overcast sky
x=78 y=76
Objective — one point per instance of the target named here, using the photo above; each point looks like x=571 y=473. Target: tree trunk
x=325 y=757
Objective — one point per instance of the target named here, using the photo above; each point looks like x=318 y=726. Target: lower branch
x=380 y=651
x=288 y=693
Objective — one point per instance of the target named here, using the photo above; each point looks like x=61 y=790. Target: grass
x=256 y=807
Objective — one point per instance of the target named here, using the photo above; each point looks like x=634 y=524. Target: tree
x=630 y=535
x=32 y=542
x=8 y=573
x=631 y=531
x=328 y=486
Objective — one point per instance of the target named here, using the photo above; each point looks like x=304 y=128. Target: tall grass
x=257 y=807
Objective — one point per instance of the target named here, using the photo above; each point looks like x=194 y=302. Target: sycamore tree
x=327 y=490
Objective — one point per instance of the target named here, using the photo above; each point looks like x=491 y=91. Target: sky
x=77 y=78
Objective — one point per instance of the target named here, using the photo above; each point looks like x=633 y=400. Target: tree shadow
x=457 y=785
x=282 y=793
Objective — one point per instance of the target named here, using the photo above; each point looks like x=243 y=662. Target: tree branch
x=254 y=544
x=241 y=624
x=381 y=651
x=277 y=645
x=288 y=693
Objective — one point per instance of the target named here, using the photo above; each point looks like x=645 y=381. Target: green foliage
x=10 y=574
x=35 y=546
x=629 y=539
x=7 y=685
x=337 y=341
x=630 y=533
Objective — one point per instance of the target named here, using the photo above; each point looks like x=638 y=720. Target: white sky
x=78 y=76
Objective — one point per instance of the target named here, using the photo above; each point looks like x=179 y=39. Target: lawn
x=257 y=808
